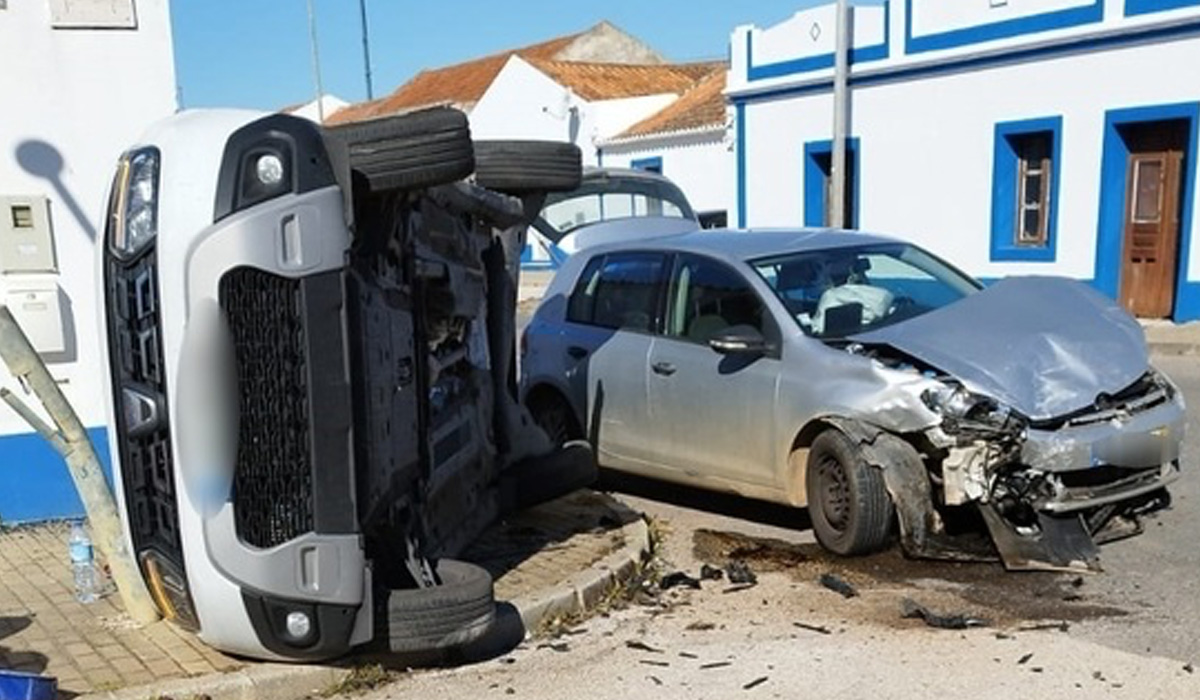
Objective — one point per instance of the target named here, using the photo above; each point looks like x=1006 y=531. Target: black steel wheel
x=848 y=502
x=410 y=151
x=451 y=615
x=528 y=166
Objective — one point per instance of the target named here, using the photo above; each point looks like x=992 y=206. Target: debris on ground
x=820 y=629
x=700 y=626
x=642 y=646
x=559 y=647
x=909 y=608
x=654 y=662
x=715 y=664
x=838 y=584
x=739 y=573
x=755 y=683
x=1024 y=659
x=687 y=655
x=710 y=573
x=656 y=679
x=678 y=578
x=1189 y=668
x=1062 y=626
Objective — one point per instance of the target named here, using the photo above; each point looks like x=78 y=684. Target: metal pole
x=362 y=10
x=316 y=62
x=71 y=441
x=841 y=67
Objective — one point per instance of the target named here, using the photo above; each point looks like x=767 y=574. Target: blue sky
x=255 y=53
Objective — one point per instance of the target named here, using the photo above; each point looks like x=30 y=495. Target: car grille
x=143 y=439
x=1144 y=394
x=273 y=485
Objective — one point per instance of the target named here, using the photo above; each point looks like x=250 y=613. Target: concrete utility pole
x=841 y=111
x=71 y=441
x=362 y=12
x=316 y=63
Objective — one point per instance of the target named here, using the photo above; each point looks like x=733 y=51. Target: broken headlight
x=960 y=408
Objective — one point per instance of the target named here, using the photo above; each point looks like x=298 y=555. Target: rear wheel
x=848 y=502
x=410 y=151
x=553 y=414
x=528 y=166
x=451 y=615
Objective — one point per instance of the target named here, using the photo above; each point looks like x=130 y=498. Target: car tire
x=411 y=151
x=553 y=415
x=848 y=502
x=451 y=615
x=517 y=167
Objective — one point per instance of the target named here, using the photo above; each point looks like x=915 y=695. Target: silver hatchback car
x=866 y=379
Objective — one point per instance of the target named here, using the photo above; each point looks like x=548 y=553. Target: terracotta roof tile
x=461 y=84
x=703 y=105
x=609 y=81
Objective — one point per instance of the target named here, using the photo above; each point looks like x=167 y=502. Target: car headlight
x=958 y=406
x=133 y=211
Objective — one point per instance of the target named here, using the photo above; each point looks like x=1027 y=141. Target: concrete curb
x=587 y=587
x=262 y=680
x=1173 y=348
x=292 y=681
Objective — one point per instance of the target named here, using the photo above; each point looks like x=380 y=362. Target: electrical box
x=26 y=239
x=36 y=307
x=92 y=14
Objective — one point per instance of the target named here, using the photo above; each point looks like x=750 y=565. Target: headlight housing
x=133 y=207
x=959 y=407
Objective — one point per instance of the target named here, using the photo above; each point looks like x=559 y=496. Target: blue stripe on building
x=34 y=481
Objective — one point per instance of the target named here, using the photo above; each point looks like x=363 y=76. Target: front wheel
x=848 y=502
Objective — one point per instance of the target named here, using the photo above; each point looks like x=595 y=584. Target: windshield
x=611 y=197
x=843 y=291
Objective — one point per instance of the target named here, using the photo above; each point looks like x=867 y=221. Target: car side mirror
x=739 y=340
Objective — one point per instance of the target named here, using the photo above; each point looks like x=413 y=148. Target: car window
x=842 y=291
x=706 y=297
x=618 y=291
x=611 y=197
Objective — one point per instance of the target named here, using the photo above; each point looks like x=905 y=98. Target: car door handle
x=664 y=368
x=577 y=352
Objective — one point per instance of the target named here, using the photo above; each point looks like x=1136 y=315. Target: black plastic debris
x=1024 y=659
x=701 y=626
x=1189 y=668
x=755 y=683
x=739 y=573
x=559 y=647
x=711 y=573
x=820 y=629
x=838 y=584
x=654 y=662
x=909 y=608
x=642 y=646
x=715 y=664
x=678 y=578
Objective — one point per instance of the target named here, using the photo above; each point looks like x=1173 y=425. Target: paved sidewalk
x=1169 y=338
x=544 y=560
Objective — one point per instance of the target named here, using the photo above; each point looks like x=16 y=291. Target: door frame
x=1113 y=190
x=815 y=176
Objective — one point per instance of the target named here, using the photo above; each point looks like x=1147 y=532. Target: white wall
x=524 y=103
x=74 y=99
x=701 y=164
x=927 y=140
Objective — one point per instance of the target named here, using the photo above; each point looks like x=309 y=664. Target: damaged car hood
x=1046 y=346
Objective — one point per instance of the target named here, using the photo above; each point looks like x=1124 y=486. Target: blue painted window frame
x=1111 y=220
x=652 y=164
x=814 y=180
x=1005 y=166
x=1145 y=7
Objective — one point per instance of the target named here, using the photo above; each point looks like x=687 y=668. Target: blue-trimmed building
x=1010 y=136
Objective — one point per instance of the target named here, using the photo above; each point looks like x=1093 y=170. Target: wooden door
x=1153 y=179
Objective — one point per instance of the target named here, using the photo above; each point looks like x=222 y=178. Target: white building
x=586 y=89
x=1010 y=136
x=81 y=80
x=691 y=142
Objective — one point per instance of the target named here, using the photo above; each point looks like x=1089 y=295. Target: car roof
x=750 y=244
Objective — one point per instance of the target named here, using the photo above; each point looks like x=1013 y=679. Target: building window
x=653 y=165
x=1033 y=186
x=818 y=183
x=1025 y=190
x=713 y=219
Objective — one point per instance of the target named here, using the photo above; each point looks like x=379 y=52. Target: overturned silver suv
x=311 y=352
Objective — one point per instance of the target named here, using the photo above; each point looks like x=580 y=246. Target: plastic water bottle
x=80 y=547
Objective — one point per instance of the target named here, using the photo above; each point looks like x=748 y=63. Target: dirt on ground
x=980 y=591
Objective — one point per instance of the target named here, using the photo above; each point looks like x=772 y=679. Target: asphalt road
x=1132 y=631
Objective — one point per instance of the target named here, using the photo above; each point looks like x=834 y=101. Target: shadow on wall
x=43 y=160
